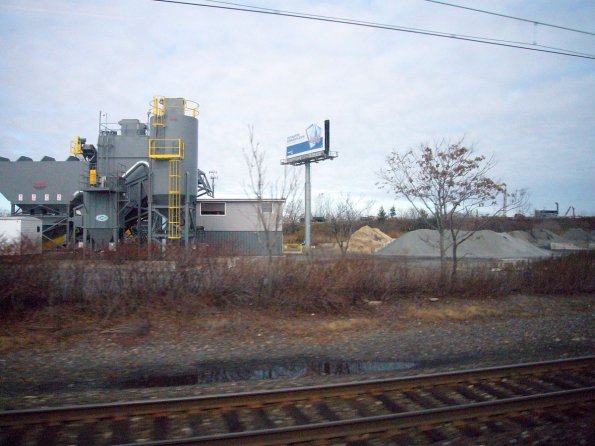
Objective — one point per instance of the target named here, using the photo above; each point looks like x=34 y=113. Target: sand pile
x=367 y=240
x=481 y=245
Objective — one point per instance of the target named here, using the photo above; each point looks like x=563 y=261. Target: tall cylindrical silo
x=172 y=128
x=173 y=149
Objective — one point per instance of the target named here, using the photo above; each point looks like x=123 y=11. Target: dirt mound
x=480 y=245
x=368 y=240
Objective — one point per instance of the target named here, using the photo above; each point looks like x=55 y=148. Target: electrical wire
x=535 y=22
x=267 y=11
x=399 y=28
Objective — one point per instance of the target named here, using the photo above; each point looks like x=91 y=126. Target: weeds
x=188 y=282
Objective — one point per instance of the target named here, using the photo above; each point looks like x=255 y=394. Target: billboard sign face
x=301 y=144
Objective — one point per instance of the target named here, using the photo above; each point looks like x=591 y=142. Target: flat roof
x=242 y=200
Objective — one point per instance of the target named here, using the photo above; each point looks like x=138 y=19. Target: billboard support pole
x=308 y=209
x=306 y=148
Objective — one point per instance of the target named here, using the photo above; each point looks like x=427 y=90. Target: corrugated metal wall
x=241 y=243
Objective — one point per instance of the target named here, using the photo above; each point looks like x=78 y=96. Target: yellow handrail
x=159 y=106
x=166 y=148
x=76 y=146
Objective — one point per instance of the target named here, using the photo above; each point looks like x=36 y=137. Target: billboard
x=304 y=143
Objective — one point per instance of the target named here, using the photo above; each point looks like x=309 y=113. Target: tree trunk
x=442 y=258
x=453 y=274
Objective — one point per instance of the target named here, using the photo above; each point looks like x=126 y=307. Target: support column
x=186 y=211
x=139 y=200
x=308 y=211
x=150 y=210
x=67 y=240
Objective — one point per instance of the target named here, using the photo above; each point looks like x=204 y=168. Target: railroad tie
x=232 y=421
x=121 y=431
x=87 y=434
x=161 y=427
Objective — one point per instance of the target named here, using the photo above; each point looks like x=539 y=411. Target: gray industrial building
x=140 y=183
x=242 y=226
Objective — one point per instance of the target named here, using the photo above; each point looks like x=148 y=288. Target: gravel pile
x=545 y=239
x=481 y=245
x=580 y=237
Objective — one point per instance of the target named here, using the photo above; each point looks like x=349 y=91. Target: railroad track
x=426 y=408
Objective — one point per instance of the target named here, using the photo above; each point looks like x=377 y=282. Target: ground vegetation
x=121 y=284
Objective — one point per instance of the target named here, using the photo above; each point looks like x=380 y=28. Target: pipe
x=134 y=167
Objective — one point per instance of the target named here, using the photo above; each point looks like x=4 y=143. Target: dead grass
x=458 y=312
x=111 y=290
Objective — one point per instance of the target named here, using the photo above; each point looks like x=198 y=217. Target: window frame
x=213 y=213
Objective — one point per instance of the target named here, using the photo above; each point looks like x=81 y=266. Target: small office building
x=239 y=226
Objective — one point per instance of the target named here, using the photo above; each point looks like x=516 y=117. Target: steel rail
x=264 y=397
x=379 y=425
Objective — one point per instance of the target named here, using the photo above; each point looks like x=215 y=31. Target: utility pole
x=505 y=206
x=213 y=176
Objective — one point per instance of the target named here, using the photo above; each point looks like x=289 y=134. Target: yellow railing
x=159 y=106
x=166 y=148
x=76 y=146
x=158 y=112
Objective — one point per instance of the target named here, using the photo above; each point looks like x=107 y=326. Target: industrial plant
x=139 y=184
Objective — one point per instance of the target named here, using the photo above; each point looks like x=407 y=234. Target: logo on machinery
x=40 y=185
x=102 y=217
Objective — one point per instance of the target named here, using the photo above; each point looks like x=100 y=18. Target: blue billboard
x=304 y=143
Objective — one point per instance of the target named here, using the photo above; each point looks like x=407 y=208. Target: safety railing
x=166 y=148
x=160 y=104
x=76 y=146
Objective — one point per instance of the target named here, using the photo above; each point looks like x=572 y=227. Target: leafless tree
x=293 y=212
x=342 y=216
x=260 y=184
x=451 y=183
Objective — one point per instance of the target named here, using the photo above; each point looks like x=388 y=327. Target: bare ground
x=70 y=359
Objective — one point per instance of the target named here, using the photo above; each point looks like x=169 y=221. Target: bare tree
x=342 y=216
x=270 y=217
x=293 y=211
x=451 y=183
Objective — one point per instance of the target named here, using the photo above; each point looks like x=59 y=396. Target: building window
x=266 y=207
x=212 y=208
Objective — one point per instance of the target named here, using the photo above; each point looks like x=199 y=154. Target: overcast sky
x=63 y=61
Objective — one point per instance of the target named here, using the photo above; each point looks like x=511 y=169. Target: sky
x=64 y=61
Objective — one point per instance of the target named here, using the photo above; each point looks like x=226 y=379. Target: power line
x=259 y=10
x=399 y=28
x=535 y=22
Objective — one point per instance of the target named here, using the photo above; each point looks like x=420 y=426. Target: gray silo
x=173 y=151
